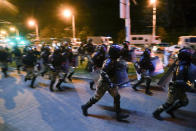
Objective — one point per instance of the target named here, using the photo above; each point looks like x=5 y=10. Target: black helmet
x=29 y=49
x=185 y=55
x=126 y=44
x=57 y=49
x=90 y=41
x=102 y=48
x=115 y=51
x=147 y=52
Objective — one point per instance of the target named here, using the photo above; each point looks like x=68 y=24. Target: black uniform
x=4 y=59
x=177 y=89
x=29 y=61
x=89 y=50
x=17 y=57
x=81 y=52
x=98 y=59
x=105 y=83
x=56 y=60
x=45 y=60
x=145 y=69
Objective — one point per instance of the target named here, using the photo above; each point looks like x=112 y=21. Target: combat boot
x=32 y=82
x=88 y=105
x=171 y=113
x=119 y=115
x=148 y=92
x=156 y=114
x=177 y=105
x=91 y=85
x=134 y=87
x=137 y=84
x=51 y=85
x=4 y=70
x=70 y=76
x=18 y=69
x=58 y=85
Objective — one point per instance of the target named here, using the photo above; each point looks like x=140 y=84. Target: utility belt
x=178 y=84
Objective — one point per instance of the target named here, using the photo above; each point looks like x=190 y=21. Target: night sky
x=102 y=16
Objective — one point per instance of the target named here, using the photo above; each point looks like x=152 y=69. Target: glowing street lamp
x=3 y=32
x=68 y=13
x=32 y=23
x=153 y=2
x=13 y=29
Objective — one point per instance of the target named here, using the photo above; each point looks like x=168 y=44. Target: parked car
x=159 y=48
x=174 y=48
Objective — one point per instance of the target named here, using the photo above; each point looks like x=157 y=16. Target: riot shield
x=166 y=78
x=121 y=72
x=192 y=73
x=158 y=66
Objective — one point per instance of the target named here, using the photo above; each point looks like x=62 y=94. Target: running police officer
x=177 y=88
x=106 y=83
x=4 y=59
x=145 y=69
x=29 y=61
x=98 y=59
x=55 y=65
x=17 y=57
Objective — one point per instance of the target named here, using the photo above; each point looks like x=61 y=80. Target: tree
x=84 y=32
x=193 y=32
x=121 y=36
x=162 y=33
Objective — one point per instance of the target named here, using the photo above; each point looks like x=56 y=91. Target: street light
x=3 y=33
x=153 y=2
x=32 y=23
x=67 y=13
x=13 y=29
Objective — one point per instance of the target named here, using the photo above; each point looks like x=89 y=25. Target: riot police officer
x=81 y=52
x=29 y=61
x=98 y=59
x=89 y=50
x=177 y=88
x=72 y=63
x=18 y=57
x=55 y=67
x=106 y=83
x=4 y=59
x=145 y=69
x=45 y=59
